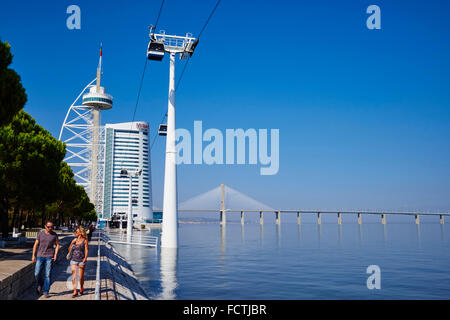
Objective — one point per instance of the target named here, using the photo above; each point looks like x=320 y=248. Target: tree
x=12 y=94
x=67 y=192
x=32 y=174
x=73 y=201
x=83 y=208
x=30 y=163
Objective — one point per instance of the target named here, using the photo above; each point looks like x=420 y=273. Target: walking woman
x=79 y=257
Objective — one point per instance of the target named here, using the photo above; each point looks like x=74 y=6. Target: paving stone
x=118 y=281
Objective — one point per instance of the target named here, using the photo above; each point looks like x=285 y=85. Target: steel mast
x=98 y=100
x=95 y=137
x=159 y=44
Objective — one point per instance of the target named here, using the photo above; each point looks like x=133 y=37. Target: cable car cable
x=156 y=134
x=198 y=38
x=182 y=72
x=209 y=18
x=142 y=81
x=187 y=61
x=159 y=13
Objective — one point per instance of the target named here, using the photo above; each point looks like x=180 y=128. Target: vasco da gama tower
x=97 y=153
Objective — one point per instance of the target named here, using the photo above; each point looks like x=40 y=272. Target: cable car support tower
x=160 y=44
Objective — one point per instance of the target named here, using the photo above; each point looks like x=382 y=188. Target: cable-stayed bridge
x=223 y=199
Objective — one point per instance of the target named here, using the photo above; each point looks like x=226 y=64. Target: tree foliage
x=33 y=177
x=12 y=94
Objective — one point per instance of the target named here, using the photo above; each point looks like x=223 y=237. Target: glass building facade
x=127 y=147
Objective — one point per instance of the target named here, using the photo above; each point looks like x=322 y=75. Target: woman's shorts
x=76 y=263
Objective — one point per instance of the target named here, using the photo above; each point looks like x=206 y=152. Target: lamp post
x=130 y=175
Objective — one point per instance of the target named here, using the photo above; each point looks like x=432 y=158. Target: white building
x=127 y=147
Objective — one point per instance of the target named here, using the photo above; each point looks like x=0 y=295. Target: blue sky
x=364 y=115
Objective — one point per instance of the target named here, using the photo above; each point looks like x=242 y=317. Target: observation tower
x=96 y=99
x=84 y=137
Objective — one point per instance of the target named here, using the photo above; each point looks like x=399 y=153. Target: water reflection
x=278 y=235
x=222 y=237
x=128 y=250
x=319 y=232
x=360 y=232
x=168 y=273
x=419 y=242
x=339 y=233
x=242 y=233
x=169 y=276
x=261 y=233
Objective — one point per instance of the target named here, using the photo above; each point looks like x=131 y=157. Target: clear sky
x=364 y=115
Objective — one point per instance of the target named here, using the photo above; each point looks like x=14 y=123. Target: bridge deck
x=315 y=211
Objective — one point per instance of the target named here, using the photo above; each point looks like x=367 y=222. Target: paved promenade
x=118 y=281
x=61 y=287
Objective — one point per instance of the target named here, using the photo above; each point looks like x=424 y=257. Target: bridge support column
x=242 y=217
x=223 y=217
x=299 y=218
x=417 y=219
x=278 y=216
x=359 y=218
x=319 y=218
x=261 y=217
x=441 y=218
x=383 y=218
x=339 y=218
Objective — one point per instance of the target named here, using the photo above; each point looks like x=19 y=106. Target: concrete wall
x=15 y=278
x=17 y=273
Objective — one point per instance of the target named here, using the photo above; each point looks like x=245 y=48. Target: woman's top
x=78 y=251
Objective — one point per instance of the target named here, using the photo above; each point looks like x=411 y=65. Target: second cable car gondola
x=162 y=131
x=155 y=50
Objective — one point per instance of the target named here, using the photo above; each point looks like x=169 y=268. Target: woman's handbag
x=69 y=254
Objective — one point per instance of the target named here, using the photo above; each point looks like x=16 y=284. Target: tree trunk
x=28 y=218
x=32 y=222
x=4 y=216
x=20 y=219
x=15 y=216
x=61 y=218
x=43 y=216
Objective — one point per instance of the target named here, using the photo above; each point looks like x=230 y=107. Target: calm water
x=298 y=262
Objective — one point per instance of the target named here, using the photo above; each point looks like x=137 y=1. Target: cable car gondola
x=162 y=131
x=155 y=50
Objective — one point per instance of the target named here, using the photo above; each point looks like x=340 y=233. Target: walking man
x=47 y=246
x=90 y=231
